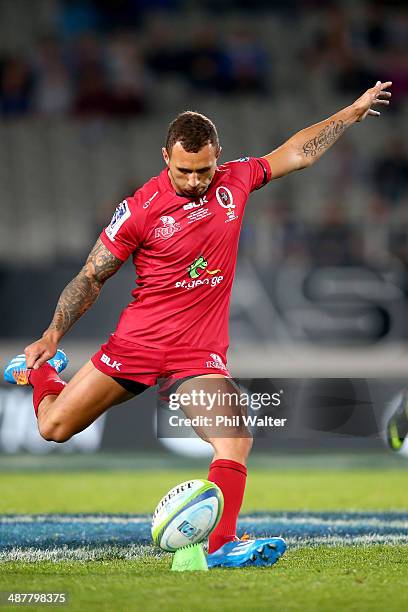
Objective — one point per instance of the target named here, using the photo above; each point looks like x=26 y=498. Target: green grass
x=322 y=579
x=371 y=578
x=122 y=491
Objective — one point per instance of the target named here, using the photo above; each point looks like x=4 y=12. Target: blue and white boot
x=248 y=553
x=16 y=373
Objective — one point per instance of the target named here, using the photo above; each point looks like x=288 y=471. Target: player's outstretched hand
x=376 y=95
x=39 y=352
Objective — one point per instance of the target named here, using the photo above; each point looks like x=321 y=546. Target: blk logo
x=191 y=205
x=115 y=365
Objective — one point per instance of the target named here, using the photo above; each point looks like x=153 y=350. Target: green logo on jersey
x=197 y=266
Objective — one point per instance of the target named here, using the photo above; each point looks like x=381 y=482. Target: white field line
x=364 y=540
x=52 y=518
x=327 y=522
x=138 y=552
x=135 y=551
x=353 y=521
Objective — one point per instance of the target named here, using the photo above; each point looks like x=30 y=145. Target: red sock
x=230 y=476
x=45 y=381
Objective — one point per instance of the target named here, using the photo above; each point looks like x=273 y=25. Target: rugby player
x=182 y=230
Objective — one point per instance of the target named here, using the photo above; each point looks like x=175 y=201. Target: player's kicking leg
x=232 y=445
x=64 y=409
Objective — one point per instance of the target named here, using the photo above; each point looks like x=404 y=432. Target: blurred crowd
x=108 y=58
x=353 y=50
x=375 y=232
x=102 y=57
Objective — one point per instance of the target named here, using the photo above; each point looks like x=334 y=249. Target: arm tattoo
x=325 y=138
x=79 y=295
x=101 y=262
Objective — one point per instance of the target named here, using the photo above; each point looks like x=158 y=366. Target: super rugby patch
x=120 y=215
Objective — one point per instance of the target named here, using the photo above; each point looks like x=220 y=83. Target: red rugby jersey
x=185 y=255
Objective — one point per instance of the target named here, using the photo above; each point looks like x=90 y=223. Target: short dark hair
x=193 y=130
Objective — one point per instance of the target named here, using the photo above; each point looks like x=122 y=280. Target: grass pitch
x=321 y=578
x=139 y=491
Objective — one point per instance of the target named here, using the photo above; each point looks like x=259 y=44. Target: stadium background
x=86 y=92
x=319 y=307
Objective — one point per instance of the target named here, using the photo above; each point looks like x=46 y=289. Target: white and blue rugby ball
x=187 y=514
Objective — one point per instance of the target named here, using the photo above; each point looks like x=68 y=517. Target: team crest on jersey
x=121 y=214
x=225 y=199
x=170 y=227
x=216 y=362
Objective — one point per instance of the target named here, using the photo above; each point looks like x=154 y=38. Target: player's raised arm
x=77 y=297
x=308 y=145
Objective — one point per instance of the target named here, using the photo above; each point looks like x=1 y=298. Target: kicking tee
x=185 y=253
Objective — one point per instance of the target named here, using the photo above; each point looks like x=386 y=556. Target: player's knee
x=53 y=432
x=234 y=447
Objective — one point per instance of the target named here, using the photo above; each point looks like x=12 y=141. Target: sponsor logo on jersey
x=115 y=365
x=198 y=271
x=225 y=199
x=198 y=215
x=199 y=265
x=216 y=362
x=121 y=214
x=170 y=227
x=192 y=205
x=243 y=159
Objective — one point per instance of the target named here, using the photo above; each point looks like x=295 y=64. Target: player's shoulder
x=240 y=160
x=248 y=173
x=237 y=167
x=236 y=170
x=144 y=195
x=133 y=210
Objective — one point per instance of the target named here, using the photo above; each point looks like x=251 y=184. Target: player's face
x=191 y=173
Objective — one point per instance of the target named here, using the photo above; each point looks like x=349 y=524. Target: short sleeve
x=254 y=172
x=124 y=233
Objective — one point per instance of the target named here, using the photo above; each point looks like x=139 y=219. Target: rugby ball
x=187 y=514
